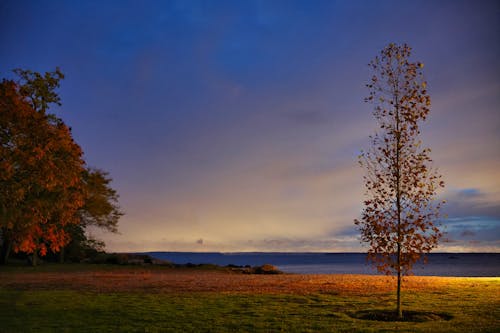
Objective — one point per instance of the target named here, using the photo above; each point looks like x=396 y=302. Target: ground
x=123 y=279
x=156 y=299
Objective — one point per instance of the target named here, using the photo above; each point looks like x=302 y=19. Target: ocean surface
x=440 y=264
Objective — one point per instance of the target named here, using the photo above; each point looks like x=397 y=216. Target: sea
x=439 y=264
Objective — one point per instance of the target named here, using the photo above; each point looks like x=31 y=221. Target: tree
x=38 y=89
x=399 y=219
x=100 y=210
x=101 y=207
x=40 y=176
x=48 y=197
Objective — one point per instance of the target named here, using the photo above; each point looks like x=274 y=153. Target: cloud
x=471 y=202
x=227 y=123
x=471 y=233
x=331 y=244
x=278 y=244
x=473 y=222
x=467 y=233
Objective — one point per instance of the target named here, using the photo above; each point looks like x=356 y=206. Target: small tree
x=399 y=216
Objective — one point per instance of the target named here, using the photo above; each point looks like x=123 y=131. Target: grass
x=471 y=303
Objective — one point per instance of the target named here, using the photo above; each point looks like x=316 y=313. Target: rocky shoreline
x=147 y=260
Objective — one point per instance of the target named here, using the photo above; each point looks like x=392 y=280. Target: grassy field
x=99 y=298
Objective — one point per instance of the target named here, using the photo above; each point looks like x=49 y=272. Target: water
x=440 y=264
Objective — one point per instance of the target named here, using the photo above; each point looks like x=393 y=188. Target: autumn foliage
x=40 y=175
x=399 y=219
x=48 y=196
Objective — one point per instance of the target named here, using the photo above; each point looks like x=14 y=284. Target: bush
x=266 y=269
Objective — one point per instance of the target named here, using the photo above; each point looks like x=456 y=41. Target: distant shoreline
x=439 y=264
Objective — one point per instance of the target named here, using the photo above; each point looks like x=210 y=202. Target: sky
x=236 y=125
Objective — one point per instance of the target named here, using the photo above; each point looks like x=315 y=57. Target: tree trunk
x=398 y=205
x=34 y=259
x=6 y=247
x=399 y=310
x=61 y=255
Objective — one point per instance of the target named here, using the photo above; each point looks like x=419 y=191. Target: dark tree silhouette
x=38 y=89
x=399 y=219
x=101 y=207
x=100 y=210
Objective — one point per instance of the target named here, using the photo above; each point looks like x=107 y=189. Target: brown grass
x=192 y=280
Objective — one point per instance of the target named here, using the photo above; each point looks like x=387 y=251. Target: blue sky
x=238 y=123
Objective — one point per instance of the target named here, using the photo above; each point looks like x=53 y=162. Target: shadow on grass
x=409 y=316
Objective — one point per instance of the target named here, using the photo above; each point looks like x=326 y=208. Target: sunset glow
x=237 y=126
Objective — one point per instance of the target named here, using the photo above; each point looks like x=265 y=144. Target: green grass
x=474 y=307
x=72 y=311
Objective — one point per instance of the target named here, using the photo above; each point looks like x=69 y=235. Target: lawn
x=99 y=298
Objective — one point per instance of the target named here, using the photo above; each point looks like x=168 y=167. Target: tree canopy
x=100 y=207
x=41 y=169
x=47 y=193
x=38 y=89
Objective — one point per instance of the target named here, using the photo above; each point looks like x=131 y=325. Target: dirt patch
x=408 y=316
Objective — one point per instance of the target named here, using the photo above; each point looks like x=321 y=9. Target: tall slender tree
x=399 y=219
